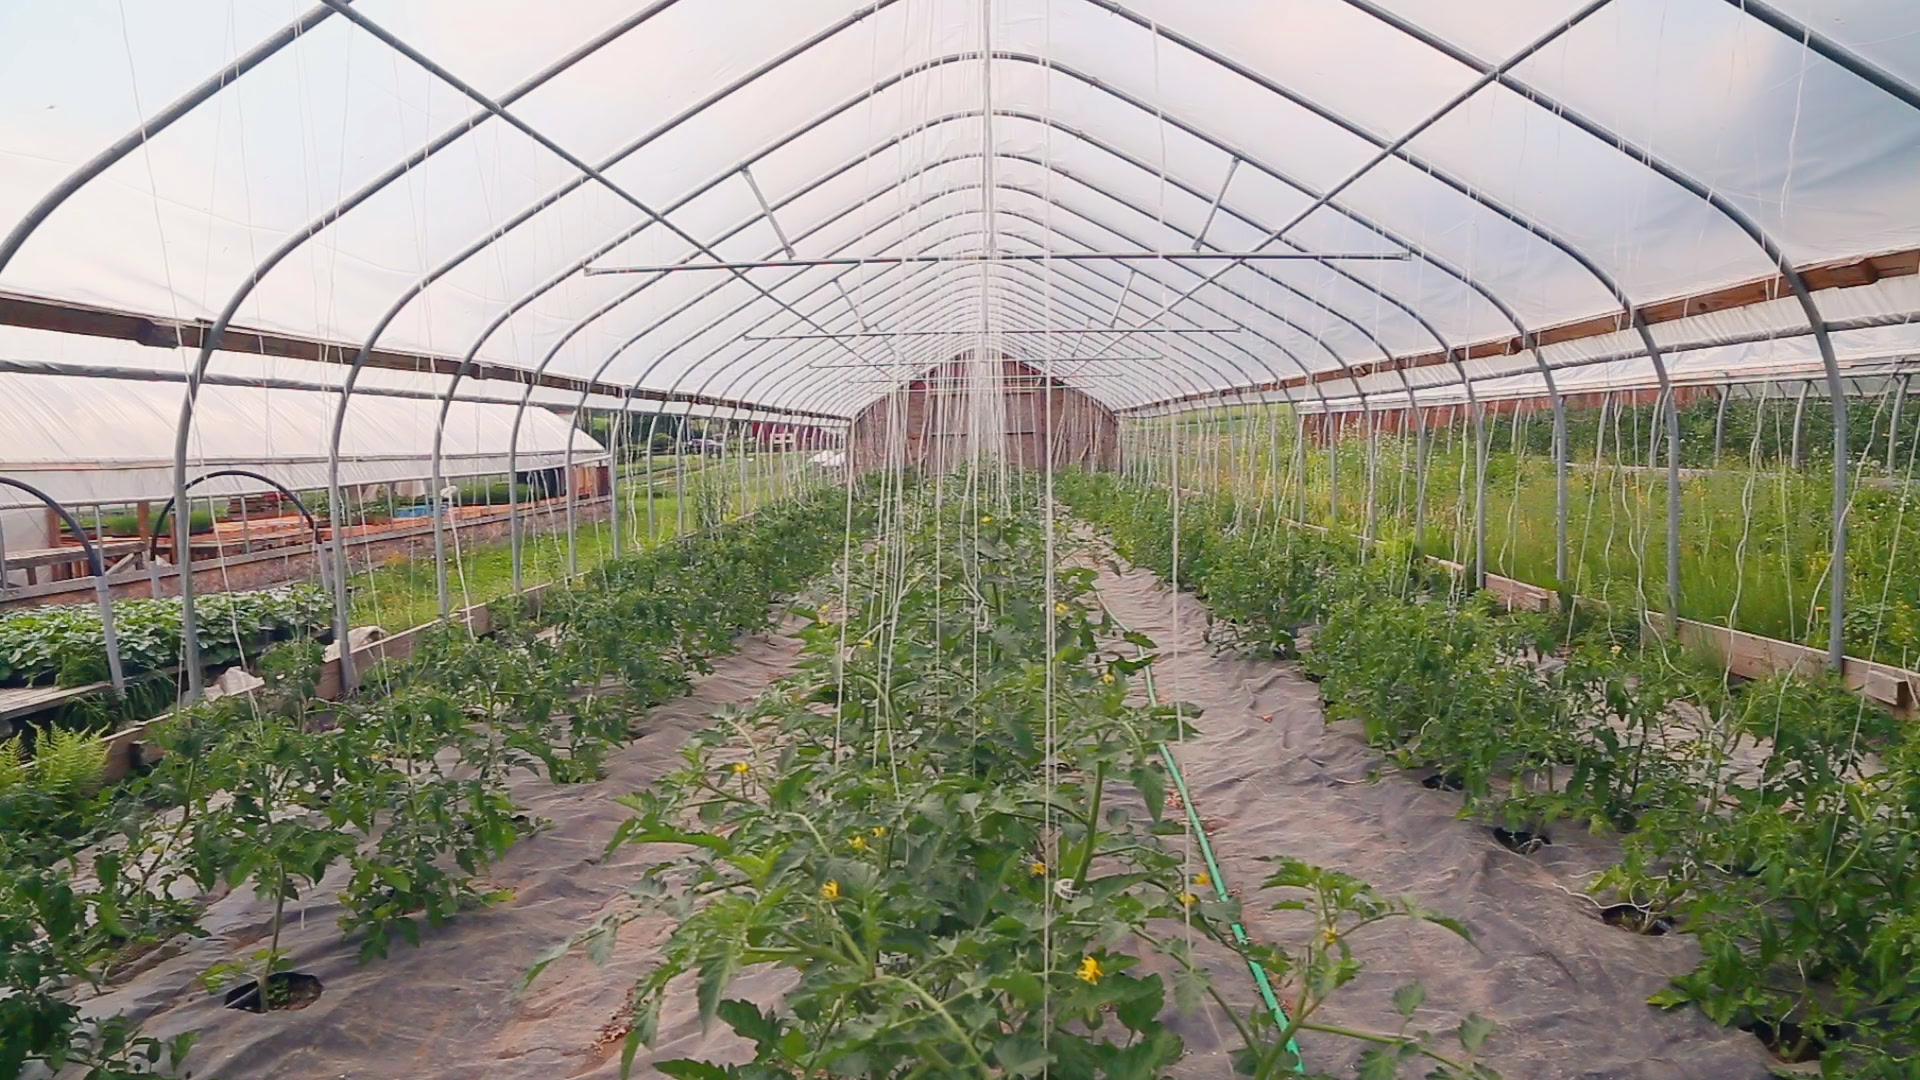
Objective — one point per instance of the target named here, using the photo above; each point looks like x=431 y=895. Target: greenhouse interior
x=907 y=539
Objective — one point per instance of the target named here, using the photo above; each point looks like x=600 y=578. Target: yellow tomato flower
x=1089 y=970
x=1037 y=869
x=879 y=830
x=988 y=520
x=1107 y=678
x=1329 y=935
x=1202 y=880
x=740 y=768
x=1059 y=609
x=830 y=891
x=1187 y=899
x=866 y=643
x=859 y=842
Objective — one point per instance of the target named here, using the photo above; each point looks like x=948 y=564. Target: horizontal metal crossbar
x=928 y=365
x=1061 y=256
x=1000 y=333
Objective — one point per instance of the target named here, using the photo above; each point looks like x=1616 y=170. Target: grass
x=404 y=593
x=1754 y=538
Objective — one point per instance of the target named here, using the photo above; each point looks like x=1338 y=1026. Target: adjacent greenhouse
x=923 y=538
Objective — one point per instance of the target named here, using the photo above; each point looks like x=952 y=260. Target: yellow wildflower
x=1037 y=869
x=1089 y=970
x=830 y=891
x=740 y=768
x=859 y=842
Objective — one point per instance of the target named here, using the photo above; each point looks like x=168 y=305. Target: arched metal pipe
x=1837 y=602
x=97 y=566
x=166 y=508
x=671 y=350
x=1087 y=309
x=211 y=340
x=153 y=125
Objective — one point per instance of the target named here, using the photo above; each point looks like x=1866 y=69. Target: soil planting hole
x=1637 y=919
x=1789 y=1041
x=1443 y=782
x=1519 y=841
x=288 y=990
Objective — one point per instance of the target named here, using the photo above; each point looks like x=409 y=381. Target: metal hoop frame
x=1487 y=74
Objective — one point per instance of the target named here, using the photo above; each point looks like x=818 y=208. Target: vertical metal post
x=438 y=505
x=1720 y=423
x=1479 y=495
x=95 y=564
x=513 y=512
x=1673 y=513
x=653 y=425
x=1422 y=442
x=1560 y=499
x=336 y=552
x=246 y=526
x=183 y=564
x=1893 y=430
x=566 y=480
x=104 y=597
x=1653 y=429
x=1373 y=459
x=1299 y=466
x=1799 y=411
x=1333 y=468
x=616 y=425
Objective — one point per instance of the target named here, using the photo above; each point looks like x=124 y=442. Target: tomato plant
x=948 y=825
x=1795 y=876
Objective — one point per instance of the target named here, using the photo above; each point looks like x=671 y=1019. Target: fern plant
x=13 y=765
x=68 y=762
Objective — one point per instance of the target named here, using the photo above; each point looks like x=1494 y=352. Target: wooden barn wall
x=933 y=419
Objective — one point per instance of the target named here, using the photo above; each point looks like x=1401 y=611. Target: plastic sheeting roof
x=411 y=172
x=86 y=440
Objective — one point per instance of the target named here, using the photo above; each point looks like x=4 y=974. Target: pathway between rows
x=1271 y=778
x=445 y=1010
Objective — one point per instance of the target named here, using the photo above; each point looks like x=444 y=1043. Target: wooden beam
x=157 y=332
x=1844 y=274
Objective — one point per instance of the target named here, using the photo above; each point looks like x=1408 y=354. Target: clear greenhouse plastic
x=1516 y=200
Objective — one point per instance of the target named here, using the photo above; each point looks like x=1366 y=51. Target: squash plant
x=65 y=643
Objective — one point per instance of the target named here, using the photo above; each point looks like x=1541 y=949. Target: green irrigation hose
x=1219 y=881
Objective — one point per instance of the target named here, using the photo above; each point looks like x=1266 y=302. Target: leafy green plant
x=931 y=827
x=269 y=830
x=1795 y=878
x=13 y=765
x=274 y=788
x=65 y=643
x=50 y=936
